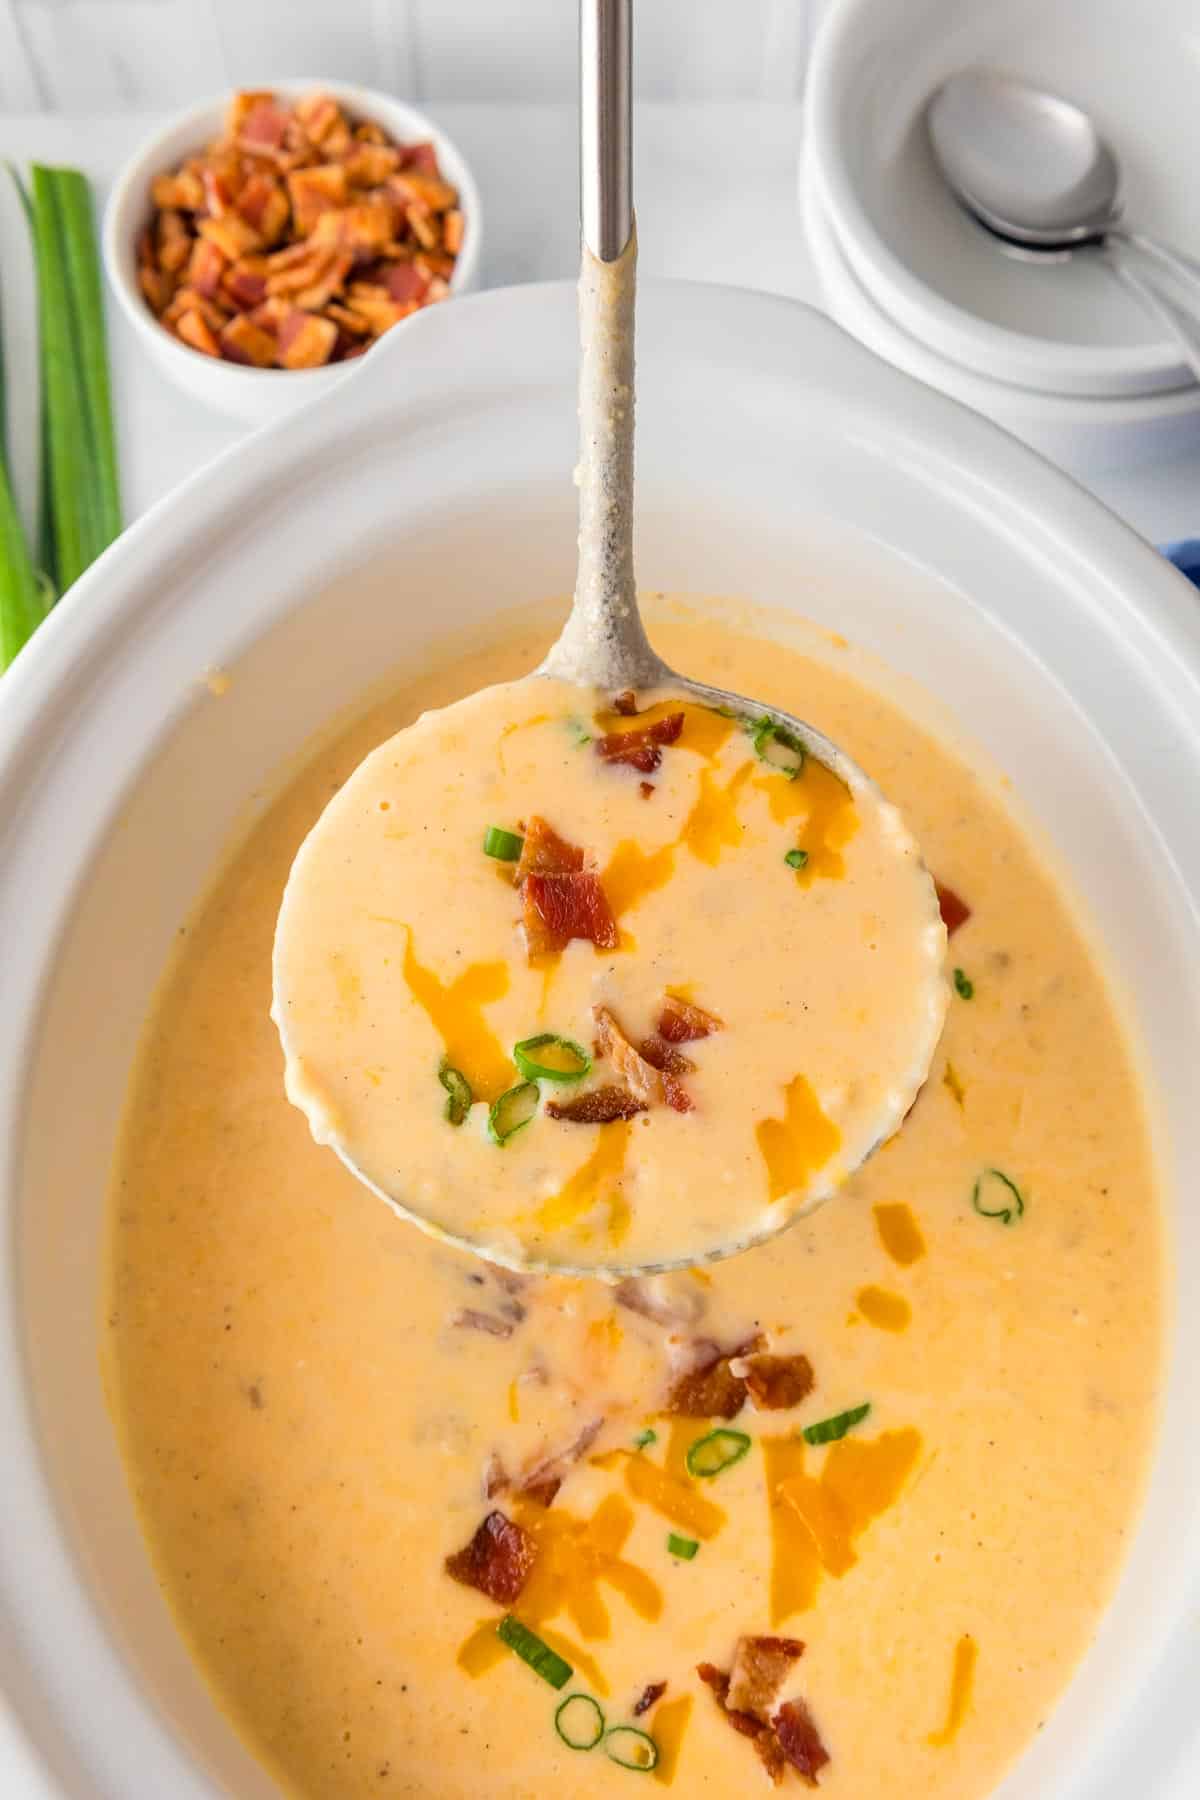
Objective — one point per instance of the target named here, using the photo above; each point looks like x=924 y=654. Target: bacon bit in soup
x=558 y=908
x=649 y=1696
x=297 y=201
x=665 y=1057
x=761 y=1665
x=680 y=1022
x=710 y=1389
x=649 y=1085
x=602 y=1106
x=625 y=704
x=497 y=1560
x=469 y=1318
x=800 y=1740
x=788 y=1736
x=545 y=853
x=955 y=912
x=543 y=1481
x=776 y=1382
x=641 y=749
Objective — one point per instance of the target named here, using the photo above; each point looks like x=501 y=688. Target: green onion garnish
x=681 y=1546
x=512 y=1111
x=579 y=732
x=1012 y=1203
x=796 y=859
x=776 y=746
x=579 y=1722
x=828 y=1431
x=645 y=1438
x=631 y=1748
x=529 y=1647
x=459 y=1098
x=505 y=846
x=964 y=987
x=716 y=1452
x=551 y=1058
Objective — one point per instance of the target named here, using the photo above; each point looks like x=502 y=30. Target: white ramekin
x=258 y=395
x=777 y=460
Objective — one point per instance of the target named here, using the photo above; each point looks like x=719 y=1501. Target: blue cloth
x=1185 y=554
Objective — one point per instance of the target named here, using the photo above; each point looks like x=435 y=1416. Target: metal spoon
x=603 y=645
x=1035 y=171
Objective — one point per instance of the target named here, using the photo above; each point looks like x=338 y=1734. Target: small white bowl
x=259 y=395
x=1055 y=327
x=1088 y=436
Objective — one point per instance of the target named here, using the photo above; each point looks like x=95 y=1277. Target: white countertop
x=716 y=185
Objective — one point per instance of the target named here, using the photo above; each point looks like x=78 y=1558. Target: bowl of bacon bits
x=263 y=245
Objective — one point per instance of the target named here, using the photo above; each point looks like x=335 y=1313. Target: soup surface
x=356 y=1451
x=584 y=987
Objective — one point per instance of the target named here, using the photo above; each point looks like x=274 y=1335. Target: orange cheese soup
x=844 y=1510
x=688 y=981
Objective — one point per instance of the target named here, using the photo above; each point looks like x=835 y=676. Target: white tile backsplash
x=112 y=55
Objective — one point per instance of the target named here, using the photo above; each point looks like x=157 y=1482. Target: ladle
x=603 y=645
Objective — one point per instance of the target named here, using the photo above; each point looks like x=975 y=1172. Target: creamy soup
x=676 y=976
x=426 y=1525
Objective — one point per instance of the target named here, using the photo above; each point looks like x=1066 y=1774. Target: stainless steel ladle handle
x=603 y=643
x=605 y=126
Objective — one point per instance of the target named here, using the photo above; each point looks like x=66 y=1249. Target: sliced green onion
x=796 y=859
x=1012 y=1201
x=631 y=1749
x=964 y=987
x=828 y=1431
x=681 y=1546
x=579 y=1722
x=645 y=1438
x=505 y=846
x=579 y=732
x=551 y=1058
x=512 y=1111
x=529 y=1647
x=458 y=1091
x=716 y=1452
x=770 y=739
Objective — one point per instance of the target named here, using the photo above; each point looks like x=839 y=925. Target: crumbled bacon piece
x=599 y=1106
x=242 y=341
x=761 y=1665
x=650 y=1696
x=776 y=1382
x=800 y=1740
x=545 y=853
x=543 y=1481
x=955 y=912
x=710 y=1389
x=681 y=1022
x=641 y=749
x=295 y=181
x=497 y=1560
x=789 y=1735
x=654 y=1298
x=558 y=908
x=625 y=703
x=718 y=1681
x=469 y=1318
x=193 y=329
x=665 y=1057
x=645 y=789
x=305 y=342
x=644 y=1081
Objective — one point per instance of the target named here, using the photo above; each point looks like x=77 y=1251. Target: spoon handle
x=1163 y=282
x=603 y=644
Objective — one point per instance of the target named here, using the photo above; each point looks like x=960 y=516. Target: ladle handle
x=603 y=644
x=605 y=126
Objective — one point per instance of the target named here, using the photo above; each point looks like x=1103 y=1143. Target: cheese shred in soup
x=843 y=1511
